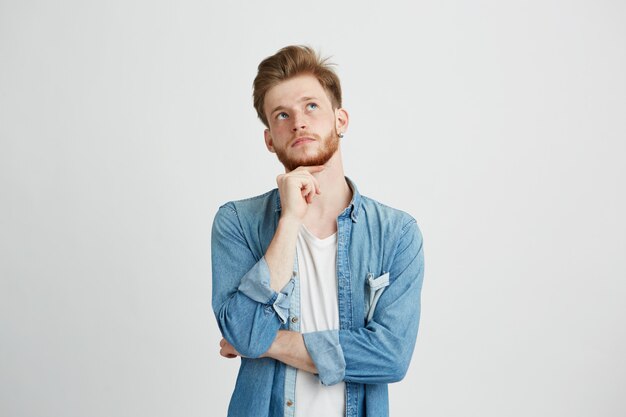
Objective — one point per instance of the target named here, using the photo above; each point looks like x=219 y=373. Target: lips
x=303 y=139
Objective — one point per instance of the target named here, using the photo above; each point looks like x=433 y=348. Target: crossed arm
x=297 y=190
x=288 y=348
x=251 y=306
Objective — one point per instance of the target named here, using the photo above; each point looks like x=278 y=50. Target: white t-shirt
x=319 y=310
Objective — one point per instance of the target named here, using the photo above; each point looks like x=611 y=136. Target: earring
x=340 y=135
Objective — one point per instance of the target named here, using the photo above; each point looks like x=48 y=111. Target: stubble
x=327 y=149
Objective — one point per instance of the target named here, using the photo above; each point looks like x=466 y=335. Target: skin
x=303 y=131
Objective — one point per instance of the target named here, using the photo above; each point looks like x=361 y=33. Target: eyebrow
x=299 y=101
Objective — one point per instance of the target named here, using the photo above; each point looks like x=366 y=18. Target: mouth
x=301 y=140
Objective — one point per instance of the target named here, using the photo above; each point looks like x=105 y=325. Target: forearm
x=281 y=252
x=289 y=348
x=379 y=352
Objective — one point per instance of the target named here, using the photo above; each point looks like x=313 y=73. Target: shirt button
x=294 y=320
x=295 y=274
x=289 y=403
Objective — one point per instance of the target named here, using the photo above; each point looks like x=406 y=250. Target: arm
x=251 y=297
x=381 y=351
x=249 y=311
x=288 y=347
x=297 y=190
x=391 y=334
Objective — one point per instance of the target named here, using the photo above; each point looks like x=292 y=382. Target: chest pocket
x=376 y=286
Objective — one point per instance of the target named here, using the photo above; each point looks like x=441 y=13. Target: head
x=297 y=96
x=287 y=63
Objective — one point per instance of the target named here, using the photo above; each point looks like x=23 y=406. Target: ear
x=341 y=120
x=269 y=142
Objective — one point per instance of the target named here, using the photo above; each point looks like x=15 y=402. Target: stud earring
x=340 y=135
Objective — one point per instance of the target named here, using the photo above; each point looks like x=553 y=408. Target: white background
x=499 y=125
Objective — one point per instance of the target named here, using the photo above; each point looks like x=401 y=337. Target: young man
x=315 y=287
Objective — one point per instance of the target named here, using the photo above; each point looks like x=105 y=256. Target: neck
x=336 y=193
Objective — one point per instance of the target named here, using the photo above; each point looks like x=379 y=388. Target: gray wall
x=499 y=125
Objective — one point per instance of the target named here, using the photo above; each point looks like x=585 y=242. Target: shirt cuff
x=326 y=352
x=255 y=284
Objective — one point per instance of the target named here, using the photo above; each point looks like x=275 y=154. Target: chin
x=311 y=157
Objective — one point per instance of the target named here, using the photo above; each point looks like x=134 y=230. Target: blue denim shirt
x=380 y=268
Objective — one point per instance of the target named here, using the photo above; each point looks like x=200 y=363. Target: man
x=315 y=287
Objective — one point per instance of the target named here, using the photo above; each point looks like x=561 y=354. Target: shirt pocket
x=375 y=286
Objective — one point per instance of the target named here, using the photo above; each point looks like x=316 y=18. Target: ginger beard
x=327 y=149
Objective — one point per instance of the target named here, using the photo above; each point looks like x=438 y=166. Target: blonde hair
x=287 y=63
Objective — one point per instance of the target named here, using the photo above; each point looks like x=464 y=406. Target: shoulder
x=396 y=227
x=249 y=214
x=374 y=210
x=252 y=205
x=395 y=232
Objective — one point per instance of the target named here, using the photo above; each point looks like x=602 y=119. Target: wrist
x=289 y=220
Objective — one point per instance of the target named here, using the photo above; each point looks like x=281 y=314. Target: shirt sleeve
x=379 y=352
x=248 y=311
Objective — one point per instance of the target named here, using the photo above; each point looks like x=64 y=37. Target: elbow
x=384 y=373
x=248 y=342
x=400 y=359
x=398 y=367
x=397 y=372
x=248 y=345
x=249 y=327
x=245 y=344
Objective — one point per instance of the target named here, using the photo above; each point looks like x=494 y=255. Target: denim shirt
x=380 y=268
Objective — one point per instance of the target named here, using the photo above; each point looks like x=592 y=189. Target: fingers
x=227 y=355
x=302 y=178
x=308 y=191
x=312 y=185
x=318 y=190
x=227 y=350
x=298 y=189
x=312 y=170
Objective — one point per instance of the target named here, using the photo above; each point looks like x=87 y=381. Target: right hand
x=297 y=190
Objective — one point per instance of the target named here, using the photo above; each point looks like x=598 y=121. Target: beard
x=326 y=150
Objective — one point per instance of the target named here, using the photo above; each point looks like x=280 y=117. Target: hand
x=297 y=190
x=227 y=350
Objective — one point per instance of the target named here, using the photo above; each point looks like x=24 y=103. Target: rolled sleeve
x=255 y=284
x=380 y=352
x=327 y=354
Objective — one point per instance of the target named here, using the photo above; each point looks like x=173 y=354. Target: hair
x=287 y=63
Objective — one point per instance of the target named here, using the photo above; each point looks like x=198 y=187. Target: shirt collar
x=355 y=205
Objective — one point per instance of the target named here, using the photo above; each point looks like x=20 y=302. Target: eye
x=311 y=106
x=282 y=116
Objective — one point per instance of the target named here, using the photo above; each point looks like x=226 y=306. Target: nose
x=299 y=122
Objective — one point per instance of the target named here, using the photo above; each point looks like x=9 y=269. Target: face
x=303 y=126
